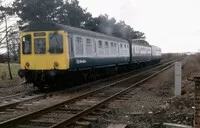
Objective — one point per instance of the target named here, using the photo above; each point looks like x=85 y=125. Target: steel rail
x=10 y=96
x=20 y=101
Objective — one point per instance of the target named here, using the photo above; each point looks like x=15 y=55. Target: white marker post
x=178 y=79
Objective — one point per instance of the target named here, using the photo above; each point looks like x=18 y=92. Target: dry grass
x=191 y=66
x=165 y=80
x=4 y=74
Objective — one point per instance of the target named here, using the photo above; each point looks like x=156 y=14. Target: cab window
x=39 y=46
x=26 y=44
x=55 y=43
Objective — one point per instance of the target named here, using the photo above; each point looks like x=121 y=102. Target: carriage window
x=94 y=47
x=55 y=43
x=100 y=44
x=106 y=44
x=115 y=45
x=26 y=44
x=121 y=45
x=111 y=44
x=106 y=48
x=88 y=47
x=39 y=46
x=88 y=41
x=79 y=46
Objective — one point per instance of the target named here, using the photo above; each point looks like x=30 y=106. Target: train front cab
x=42 y=55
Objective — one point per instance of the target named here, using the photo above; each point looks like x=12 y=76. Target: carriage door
x=71 y=49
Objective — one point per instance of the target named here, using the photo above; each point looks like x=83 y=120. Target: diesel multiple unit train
x=53 y=54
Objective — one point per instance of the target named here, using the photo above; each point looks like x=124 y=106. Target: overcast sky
x=173 y=25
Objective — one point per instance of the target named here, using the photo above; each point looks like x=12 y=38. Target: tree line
x=68 y=12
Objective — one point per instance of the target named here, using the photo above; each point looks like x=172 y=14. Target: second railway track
x=79 y=108
x=14 y=100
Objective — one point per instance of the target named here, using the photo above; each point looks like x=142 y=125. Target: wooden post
x=197 y=102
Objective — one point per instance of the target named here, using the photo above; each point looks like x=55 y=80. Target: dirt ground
x=154 y=102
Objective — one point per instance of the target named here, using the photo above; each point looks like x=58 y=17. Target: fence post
x=178 y=79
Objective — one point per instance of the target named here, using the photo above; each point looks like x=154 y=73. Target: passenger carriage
x=50 y=51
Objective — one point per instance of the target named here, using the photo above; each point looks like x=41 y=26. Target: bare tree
x=8 y=54
x=14 y=45
x=5 y=32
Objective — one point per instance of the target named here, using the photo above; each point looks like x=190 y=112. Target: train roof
x=155 y=47
x=140 y=42
x=47 y=26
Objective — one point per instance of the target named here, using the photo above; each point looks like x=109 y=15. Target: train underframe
x=67 y=78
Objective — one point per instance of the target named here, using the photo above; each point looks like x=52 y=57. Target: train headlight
x=27 y=64
x=56 y=64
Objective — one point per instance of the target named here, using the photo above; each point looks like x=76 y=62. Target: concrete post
x=177 y=81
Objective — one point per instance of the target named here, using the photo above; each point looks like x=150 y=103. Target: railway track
x=11 y=96
x=82 y=108
x=10 y=102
